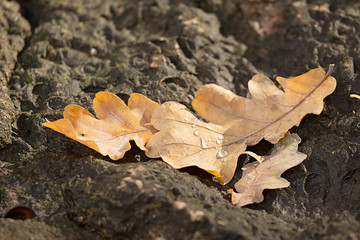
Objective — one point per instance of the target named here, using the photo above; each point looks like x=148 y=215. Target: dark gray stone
x=166 y=50
x=13 y=30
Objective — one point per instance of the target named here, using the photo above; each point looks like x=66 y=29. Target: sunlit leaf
x=267 y=175
x=235 y=121
x=115 y=126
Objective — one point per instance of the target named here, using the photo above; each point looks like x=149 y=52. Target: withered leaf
x=116 y=125
x=266 y=175
x=271 y=112
x=184 y=140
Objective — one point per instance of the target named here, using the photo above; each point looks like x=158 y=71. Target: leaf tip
x=49 y=124
x=217 y=175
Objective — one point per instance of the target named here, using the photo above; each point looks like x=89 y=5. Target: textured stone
x=13 y=30
x=166 y=50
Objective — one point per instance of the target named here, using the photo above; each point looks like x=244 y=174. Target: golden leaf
x=266 y=175
x=271 y=112
x=116 y=125
x=184 y=141
x=235 y=122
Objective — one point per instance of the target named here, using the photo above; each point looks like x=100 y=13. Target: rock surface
x=13 y=30
x=166 y=50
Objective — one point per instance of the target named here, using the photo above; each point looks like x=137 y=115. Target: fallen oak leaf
x=116 y=125
x=267 y=175
x=271 y=112
x=184 y=140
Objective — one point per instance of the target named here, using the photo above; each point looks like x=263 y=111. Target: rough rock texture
x=13 y=30
x=167 y=49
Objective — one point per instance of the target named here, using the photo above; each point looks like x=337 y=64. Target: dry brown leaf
x=184 y=140
x=266 y=175
x=271 y=112
x=116 y=125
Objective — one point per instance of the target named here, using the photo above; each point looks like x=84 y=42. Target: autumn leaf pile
x=172 y=132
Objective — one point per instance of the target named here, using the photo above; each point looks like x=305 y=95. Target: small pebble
x=93 y=52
